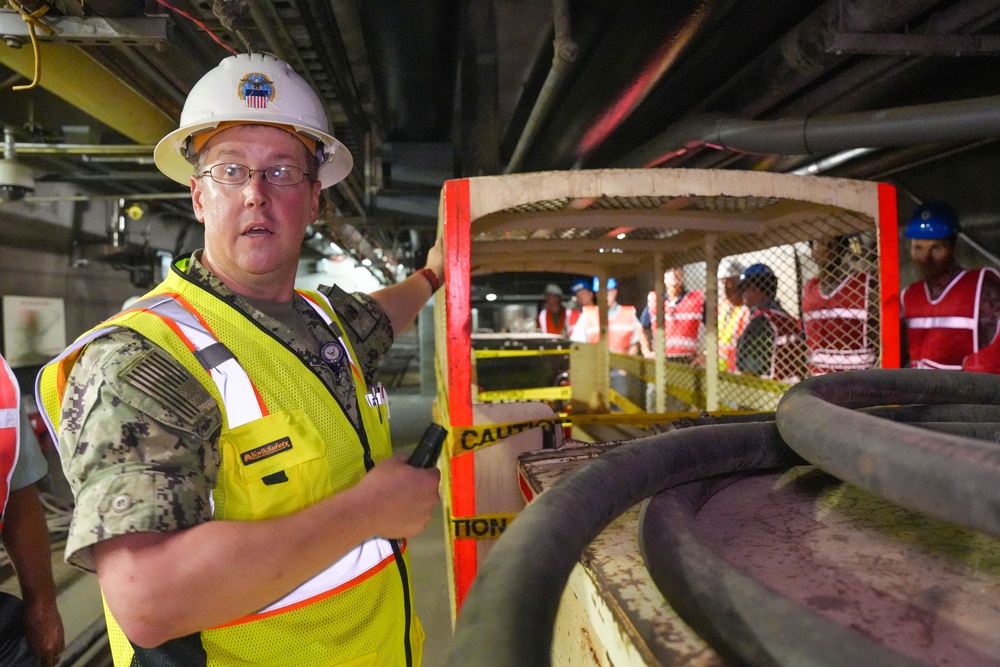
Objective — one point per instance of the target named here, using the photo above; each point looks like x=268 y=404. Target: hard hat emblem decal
x=256 y=90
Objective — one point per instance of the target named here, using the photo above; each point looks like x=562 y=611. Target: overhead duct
x=966 y=120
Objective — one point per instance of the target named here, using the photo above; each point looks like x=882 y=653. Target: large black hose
x=950 y=477
x=516 y=591
x=739 y=617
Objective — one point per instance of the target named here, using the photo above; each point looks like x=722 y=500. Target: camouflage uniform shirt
x=134 y=461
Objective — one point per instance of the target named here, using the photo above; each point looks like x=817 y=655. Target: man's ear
x=317 y=188
x=197 y=202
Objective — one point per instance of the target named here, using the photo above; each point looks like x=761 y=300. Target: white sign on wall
x=34 y=329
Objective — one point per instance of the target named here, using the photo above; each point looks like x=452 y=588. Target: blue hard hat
x=933 y=220
x=759 y=275
x=612 y=283
x=579 y=285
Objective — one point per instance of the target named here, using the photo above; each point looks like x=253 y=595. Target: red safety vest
x=786 y=357
x=10 y=403
x=941 y=332
x=682 y=323
x=621 y=327
x=836 y=325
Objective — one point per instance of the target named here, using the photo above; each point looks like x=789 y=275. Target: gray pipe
x=966 y=120
x=564 y=54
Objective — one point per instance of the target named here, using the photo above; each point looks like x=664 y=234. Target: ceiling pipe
x=966 y=120
x=564 y=53
x=802 y=55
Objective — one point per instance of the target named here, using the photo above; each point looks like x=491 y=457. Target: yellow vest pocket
x=272 y=466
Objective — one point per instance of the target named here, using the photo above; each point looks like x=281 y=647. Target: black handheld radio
x=427 y=450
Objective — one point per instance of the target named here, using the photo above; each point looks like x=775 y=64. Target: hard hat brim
x=169 y=152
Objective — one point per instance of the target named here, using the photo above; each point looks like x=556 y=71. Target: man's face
x=553 y=302
x=727 y=286
x=585 y=297
x=934 y=257
x=673 y=281
x=822 y=253
x=612 y=296
x=752 y=295
x=254 y=231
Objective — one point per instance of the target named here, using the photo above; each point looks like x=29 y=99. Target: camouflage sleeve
x=371 y=348
x=137 y=439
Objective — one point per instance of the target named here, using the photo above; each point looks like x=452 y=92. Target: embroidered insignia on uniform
x=256 y=90
x=266 y=451
x=332 y=353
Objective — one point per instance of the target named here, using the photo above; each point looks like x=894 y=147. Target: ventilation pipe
x=565 y=52
x=965 y=120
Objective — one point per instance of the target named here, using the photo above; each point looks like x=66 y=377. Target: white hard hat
x=729 y=267
x=247 y=89
x=553 y=289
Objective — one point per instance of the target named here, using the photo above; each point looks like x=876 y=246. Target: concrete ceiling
x=425 y=91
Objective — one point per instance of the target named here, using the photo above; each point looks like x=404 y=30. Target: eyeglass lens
x=237 y=174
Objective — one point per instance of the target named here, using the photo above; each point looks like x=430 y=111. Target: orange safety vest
x=621 y=327
x=567 y=319
x=588 y=326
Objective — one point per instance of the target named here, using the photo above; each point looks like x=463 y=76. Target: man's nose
x=255 y=190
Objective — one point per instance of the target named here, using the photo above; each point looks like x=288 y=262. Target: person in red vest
x=555 y=318
x=31 y=630
x=950 y=316
x=836 y=311
x=772 y=344
x=683 y=319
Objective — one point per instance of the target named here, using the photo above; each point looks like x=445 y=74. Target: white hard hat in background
x=247 y=89
x=730 y=268
x=553 y=289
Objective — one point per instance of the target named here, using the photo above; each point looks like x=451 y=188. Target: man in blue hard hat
x=773 y=344
x=587 y=325
x=950 y=316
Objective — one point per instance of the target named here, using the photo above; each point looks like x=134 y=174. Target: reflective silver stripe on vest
x=233 y=383
x=835 y=313
x=927 y=363
x=942 y=323
x=843 y=359
x=357 y=562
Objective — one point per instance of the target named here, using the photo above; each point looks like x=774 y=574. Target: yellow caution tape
x=480 y=527
x=532 y=394
x=475 y=437
x=499 y=354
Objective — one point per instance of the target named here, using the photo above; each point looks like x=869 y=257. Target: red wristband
x=431 y=278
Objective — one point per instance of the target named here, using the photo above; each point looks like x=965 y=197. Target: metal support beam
x=105 y=97
x=89 y=31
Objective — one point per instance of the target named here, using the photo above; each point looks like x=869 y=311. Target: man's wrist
x=431 y=278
